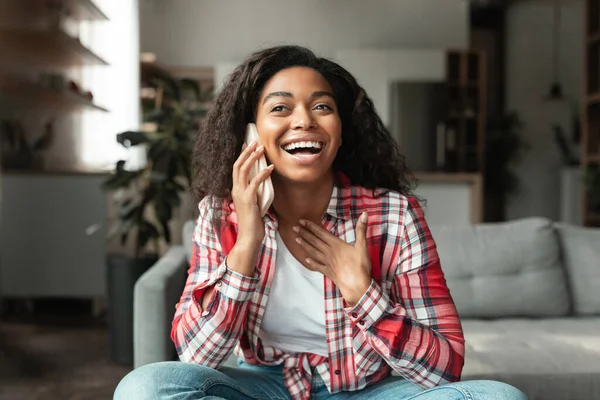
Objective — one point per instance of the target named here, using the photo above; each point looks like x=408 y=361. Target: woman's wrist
x=242 y=258
x=354 y=294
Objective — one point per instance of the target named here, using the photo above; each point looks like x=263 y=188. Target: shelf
x=36 y=12
x=33 y=96
x=46 y=49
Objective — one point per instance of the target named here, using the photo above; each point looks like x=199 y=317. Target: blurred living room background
x=494 y=103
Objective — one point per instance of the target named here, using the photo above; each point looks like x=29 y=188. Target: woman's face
x=299 y=125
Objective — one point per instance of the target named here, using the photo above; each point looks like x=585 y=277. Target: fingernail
x=298 y=240
x=295 y=229
x=244 y=146
x=302 y=222
x=260 y=148
x=308 y=260
x=363 y=218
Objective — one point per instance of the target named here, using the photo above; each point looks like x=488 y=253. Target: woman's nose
x=303 y=120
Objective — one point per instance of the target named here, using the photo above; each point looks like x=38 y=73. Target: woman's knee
x=485 y=389
x=154 y=381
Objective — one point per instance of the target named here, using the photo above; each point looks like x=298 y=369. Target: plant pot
x=122 y=274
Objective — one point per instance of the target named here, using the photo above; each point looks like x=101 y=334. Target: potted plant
x=147 y=197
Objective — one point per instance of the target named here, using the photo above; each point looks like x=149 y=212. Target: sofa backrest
x=581 y=257
x=507 y=269
x=187 y=237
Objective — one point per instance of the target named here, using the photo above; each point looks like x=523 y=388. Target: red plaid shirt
x=406 y=321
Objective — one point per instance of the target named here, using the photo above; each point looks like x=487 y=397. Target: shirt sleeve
x=415 y=327
x=207 y=337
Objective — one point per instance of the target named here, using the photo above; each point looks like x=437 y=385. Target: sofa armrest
x=156 y=294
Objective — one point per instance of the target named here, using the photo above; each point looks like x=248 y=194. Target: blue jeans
x=182 y=381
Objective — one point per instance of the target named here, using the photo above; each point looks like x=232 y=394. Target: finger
x=313 y=252
x=246 y=152
x=361 y=230
x=318 y=231
x=307 y=236
x=314 y=265
x=244 y=173
x=260 y=178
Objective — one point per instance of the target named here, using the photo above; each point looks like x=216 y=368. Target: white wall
x=206 y=32
x=528 y=76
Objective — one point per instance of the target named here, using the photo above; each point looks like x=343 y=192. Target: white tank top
x=294 y=319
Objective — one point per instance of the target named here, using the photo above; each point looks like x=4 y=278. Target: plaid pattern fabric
x=406 y=321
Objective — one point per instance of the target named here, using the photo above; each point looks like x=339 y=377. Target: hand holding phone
x=265 y=192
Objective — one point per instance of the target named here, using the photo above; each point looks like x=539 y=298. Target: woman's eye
x=323 y=107
x=278 y=109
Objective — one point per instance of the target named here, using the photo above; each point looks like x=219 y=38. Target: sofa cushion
x=187 y=238
x=554 y=358
x=504 y=269
x=581 y=257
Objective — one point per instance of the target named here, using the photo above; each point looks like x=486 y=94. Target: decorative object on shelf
x=148 y=198
x=505 y=147
x=51 y=92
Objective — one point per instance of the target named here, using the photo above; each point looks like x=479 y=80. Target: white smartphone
x=266 y=194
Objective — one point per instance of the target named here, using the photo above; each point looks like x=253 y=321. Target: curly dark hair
x=369 y=156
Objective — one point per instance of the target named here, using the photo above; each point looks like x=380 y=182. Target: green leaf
x=123 y=238
x=132 y=138
x=191 y=86
x=166 y=231
x=163 y=209
x=146 y=232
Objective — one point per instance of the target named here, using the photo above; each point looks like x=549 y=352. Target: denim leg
x=390 y=388
x=398 y=388
x=472 y=390
x=183 y=381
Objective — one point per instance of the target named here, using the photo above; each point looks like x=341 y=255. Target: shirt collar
x=341 y=201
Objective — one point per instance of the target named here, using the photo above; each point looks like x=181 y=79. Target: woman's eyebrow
x=322 y=93
x=314 y=95
x=278 y=94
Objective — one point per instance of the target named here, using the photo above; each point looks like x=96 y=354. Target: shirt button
x=337 y=372
x=354 y=315
x=362 y=322
x=219 y=284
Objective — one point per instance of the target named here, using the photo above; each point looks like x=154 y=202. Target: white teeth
x=303 y=145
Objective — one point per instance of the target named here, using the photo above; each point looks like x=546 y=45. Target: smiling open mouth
x=300 y=148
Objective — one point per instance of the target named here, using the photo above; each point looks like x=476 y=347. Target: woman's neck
x=294 y=201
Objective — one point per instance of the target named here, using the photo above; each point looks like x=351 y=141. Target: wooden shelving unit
x=465 y=122
x=44 y=12
x=33 y=97
x=33 y=45
x=590 y=138
x=46 y=49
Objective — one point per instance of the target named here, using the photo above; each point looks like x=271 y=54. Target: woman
x=339 y=284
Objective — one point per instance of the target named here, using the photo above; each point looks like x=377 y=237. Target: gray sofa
x=528 y=293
